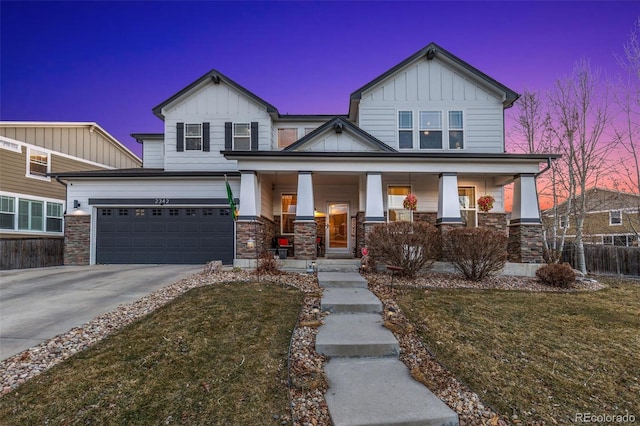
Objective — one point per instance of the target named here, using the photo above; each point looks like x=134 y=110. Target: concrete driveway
x=37 y=304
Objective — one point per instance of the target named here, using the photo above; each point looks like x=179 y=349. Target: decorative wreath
x=410 y=202
x=485 y=203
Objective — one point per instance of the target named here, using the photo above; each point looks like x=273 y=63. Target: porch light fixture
x=76 y=204
x=251 y=243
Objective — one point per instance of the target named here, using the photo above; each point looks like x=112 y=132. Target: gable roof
x=215 y=77
x=431 y=51
x=339 y=123
x=604 y=199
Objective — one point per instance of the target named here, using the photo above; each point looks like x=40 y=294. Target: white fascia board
x=400 y=165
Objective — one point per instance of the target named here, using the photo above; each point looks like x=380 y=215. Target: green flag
x=232 y=203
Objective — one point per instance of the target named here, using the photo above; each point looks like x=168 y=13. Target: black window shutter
x=254 y=136
x=228 y=136
x=205 y=137
x=180 y=137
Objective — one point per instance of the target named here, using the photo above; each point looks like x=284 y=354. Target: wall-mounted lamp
x=76 y=204
x=251 y=243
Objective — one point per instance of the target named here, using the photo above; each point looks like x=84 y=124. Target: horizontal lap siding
x=215 y=104
x=74 y=141
x=153 y=154
x=433 y=86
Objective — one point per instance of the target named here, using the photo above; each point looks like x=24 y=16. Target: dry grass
x=541 y=356
x=216 y=355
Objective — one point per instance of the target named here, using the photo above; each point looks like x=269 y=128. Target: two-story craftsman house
x=432 y=126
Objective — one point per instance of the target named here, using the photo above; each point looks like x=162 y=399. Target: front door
x=338 y=229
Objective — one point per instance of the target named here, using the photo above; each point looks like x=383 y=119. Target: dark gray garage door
x=164 y=235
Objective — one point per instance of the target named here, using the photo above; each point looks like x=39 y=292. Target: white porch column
x=448 y=202
x=525 y=200
x=374 y=207
x=306 y=204
x=249 y=196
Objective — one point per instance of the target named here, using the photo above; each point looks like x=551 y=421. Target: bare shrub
x=477 y=252
x=268 y=264
x=411 y=246
x=557 y=275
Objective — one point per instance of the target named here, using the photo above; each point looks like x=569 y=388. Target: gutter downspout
x=541 y=171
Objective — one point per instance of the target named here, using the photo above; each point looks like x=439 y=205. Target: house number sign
x=162 y=201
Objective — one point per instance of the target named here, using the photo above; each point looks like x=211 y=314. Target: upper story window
x=405 y=129
x=286 y=137
x=7 y=212
x=288 y=216
x=468 y=211
x=193 y=137
x=242 y=136
x=395 y=198
x=38 y=163
x=456 y=130
x=615 y=217
x=430 y=130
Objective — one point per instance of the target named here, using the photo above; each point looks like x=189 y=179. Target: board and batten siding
x=330 y=141
x=433 y=86
x=153 y=154
x=75 y=141
x=215 y=104
x=205 y=189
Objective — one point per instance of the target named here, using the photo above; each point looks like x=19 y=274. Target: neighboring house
x=612 y=218
x=433 y=126
x=32 y=203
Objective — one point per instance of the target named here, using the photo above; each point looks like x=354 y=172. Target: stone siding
x=77 y=239
x=444 y=229
x=429 y=217
x=260 y=230
x=360 y=237
x=495 y=221
x=525 y=243
x=304 y=241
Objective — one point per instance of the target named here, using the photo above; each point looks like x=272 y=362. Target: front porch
x=304 y=216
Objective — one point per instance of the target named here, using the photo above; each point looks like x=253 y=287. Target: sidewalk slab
x=380 y=391
x=341 y=280
x=350 y=300
x=355 y=335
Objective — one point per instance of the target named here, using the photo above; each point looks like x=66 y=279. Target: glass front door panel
x=338 y=226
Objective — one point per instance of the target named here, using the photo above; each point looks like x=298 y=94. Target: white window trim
x=278 y=136
x=30 y=202
x=46 y=216
x=16 y=196
x=282 y=213
x=193 y=137
x=475 y=202
x=449 y=129
x=412 y=130
x=234 y=136
x=14 y=213
x=611 y=217
x=388 y=207
x=28 y=164
x=441 y=130
x=445 y=128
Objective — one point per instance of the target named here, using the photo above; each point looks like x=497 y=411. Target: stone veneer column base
x=525 y=243
x=246 y=230
x=495 y=221
x=77 y=239
x=445 y=242
x=304 y=239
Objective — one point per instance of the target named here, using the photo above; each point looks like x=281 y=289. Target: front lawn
x=215 y=355
x=541 y=356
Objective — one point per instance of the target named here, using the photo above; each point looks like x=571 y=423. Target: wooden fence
x=31 y=253
x=607 y=260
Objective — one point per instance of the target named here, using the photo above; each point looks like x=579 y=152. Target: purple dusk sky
x=111 y=62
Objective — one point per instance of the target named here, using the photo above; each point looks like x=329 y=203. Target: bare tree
x=534 y=135
x=627 y=128
x=580 y=112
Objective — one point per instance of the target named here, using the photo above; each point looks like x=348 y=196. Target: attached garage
x=180 y=235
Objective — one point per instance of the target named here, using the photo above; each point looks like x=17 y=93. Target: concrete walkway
x=368 y=384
